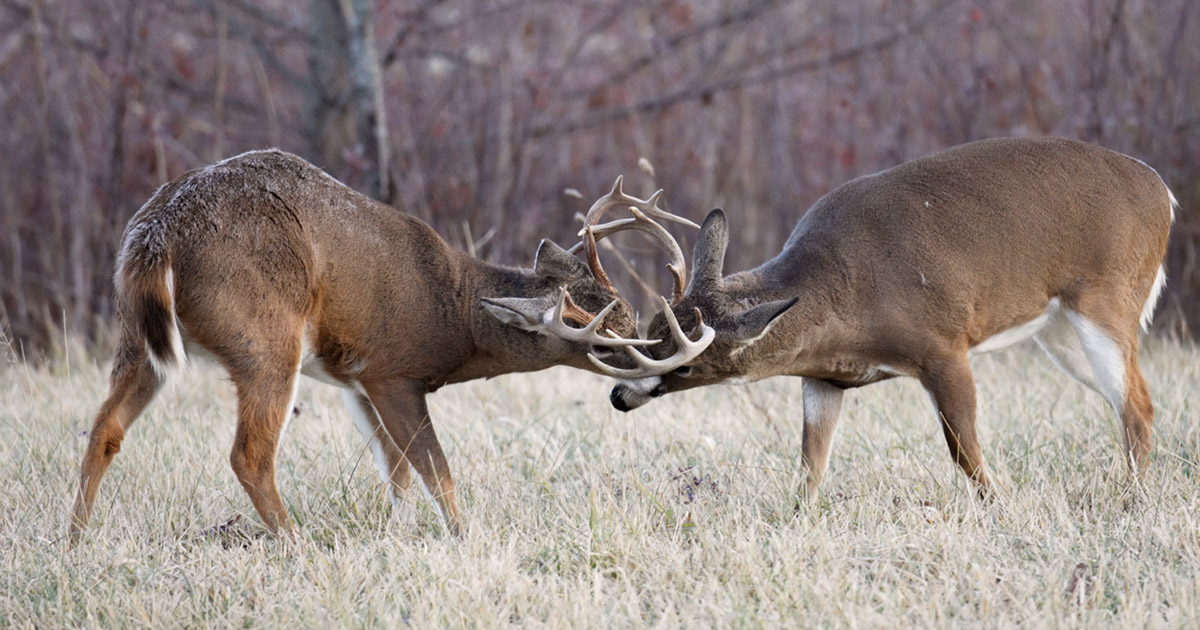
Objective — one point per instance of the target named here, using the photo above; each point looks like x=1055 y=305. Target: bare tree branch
x=724 y=20
x=745 y=79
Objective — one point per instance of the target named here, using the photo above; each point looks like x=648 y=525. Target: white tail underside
x=1160 y=281
x=166 y=366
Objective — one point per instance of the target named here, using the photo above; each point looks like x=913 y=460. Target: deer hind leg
x=133 y=385
x=393 y=467
x=951 y=387
x=1060 y=342
x=266 y=391
x=822 y=404
x=402 y=409
x=1113 y=359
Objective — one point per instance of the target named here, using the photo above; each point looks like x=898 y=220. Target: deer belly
x=312 y=366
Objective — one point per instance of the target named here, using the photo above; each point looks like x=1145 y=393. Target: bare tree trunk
x=325 y=125
x=346 y=120
x=367 y=93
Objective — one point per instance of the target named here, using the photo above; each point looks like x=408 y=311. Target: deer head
x=586 y=308
x=714 y=351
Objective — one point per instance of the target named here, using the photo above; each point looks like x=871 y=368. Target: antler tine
x=658 y=213
x=593 y=259
x=614 y=197
x=552 y=322
x=685 y=351
x=699 y=318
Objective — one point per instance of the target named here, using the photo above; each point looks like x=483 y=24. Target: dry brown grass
x=680 y=514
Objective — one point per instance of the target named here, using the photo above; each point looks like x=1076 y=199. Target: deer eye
x=601 y=352
x=684 y=371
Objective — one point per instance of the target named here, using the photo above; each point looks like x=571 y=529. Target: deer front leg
x=951 y=386
x=402 y=409
x=822 y=405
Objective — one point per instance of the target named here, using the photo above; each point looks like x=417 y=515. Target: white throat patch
x=642 y=386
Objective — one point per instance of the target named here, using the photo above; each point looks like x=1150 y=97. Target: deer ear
x=708 y=257
x=555 y=262
x=755 y=323
x=523 y=313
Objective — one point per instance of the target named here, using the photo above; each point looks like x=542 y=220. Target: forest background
x=477 y=116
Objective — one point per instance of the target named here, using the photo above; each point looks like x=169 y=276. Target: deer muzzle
x=628 y=395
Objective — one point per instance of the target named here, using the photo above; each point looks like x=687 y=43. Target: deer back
x=976 y=239
x=265 y=236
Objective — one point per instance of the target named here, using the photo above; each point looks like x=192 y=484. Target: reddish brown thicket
x=476 y=116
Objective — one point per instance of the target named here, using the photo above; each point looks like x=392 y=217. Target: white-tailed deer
x=276 y=269
x=909 y=271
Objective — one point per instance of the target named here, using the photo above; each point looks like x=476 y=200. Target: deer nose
x=617 y=398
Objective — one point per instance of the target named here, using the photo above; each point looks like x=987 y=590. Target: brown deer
x=910 y=271
x=276 y=269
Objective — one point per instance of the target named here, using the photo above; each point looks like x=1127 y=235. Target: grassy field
x=677 y=515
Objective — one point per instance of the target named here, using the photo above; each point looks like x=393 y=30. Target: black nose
x=658 y=390
x=617 y=398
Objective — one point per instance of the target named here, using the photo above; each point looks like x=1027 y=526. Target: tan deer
x=276 y=269
x=910 y=271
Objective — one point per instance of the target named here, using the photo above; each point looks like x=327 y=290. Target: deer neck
x=498 y=347
x=821 y=319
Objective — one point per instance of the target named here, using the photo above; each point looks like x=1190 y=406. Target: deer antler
x=643 y=223
x=644 y=212
x=685 y=350
x=552 y=323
